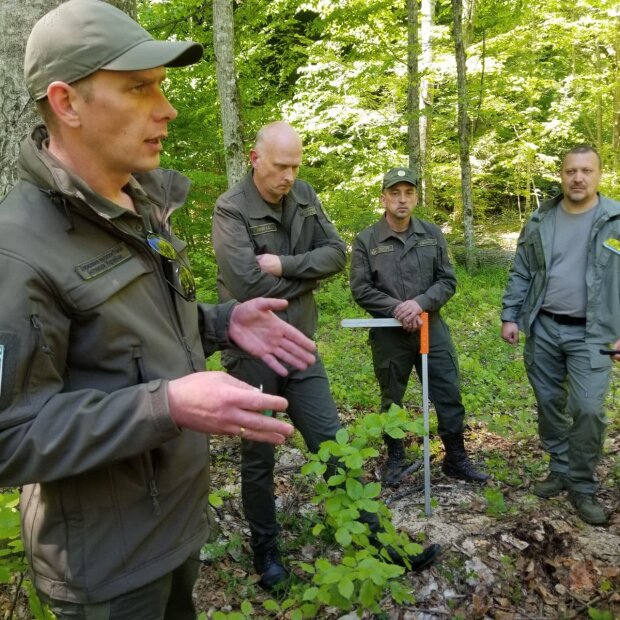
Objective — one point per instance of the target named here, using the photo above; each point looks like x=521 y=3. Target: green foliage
x=12 y=561
x=496 y=506
x=362 y=576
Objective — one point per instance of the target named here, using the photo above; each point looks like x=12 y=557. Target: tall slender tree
x=426 y=101
x=413 y=88
x=463 y=130
x=223 y=45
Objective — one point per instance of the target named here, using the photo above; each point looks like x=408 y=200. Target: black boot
x=415 y=563
x=273 y=574
x=456 y=463
x=396 y=462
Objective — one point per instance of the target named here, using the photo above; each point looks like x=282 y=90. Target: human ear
x=62 y=99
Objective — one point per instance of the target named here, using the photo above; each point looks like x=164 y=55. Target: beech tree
x=223 y=45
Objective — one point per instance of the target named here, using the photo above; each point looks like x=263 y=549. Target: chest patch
x=381 y=249
x=423 y=242
x=263 y=228
x=308 y=211
x=104 y=262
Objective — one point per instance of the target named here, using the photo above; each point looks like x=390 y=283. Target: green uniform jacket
x=385 y=271
x=309 y=247
x=528 y=276
x=114 y=494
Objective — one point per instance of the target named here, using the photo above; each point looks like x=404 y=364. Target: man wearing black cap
x=399 y=269
x=105 y=408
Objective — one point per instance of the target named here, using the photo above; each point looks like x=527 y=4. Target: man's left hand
x=257 y=330
x=270 y=263
x=616 y=358
x=408 y=313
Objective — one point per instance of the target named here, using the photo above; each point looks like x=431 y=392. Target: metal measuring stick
x=424 y=347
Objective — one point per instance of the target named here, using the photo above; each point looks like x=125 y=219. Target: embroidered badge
x=308 y=211
x=104 y=262
x=381 y=249
x=612 y=244
x=263 y=228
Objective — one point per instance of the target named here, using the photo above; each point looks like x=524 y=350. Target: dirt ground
x=507 y=555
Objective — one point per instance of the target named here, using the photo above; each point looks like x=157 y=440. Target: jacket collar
x=257 y=207
x=384 y=232
x=167 y=188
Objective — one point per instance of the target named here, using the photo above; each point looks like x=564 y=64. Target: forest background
x=481 y=106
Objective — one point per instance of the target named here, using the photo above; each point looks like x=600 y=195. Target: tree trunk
x=223 y=45
x=616 y=108
x=413 y=91
x=463 y=129
x=17 y=112
x=426 y=101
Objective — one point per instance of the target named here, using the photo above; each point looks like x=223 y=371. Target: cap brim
x=397 y=181
x=151 y=54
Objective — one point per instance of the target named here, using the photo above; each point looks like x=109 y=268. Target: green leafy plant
x=364 y=572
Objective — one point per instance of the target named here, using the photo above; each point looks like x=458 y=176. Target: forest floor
x=507 y=555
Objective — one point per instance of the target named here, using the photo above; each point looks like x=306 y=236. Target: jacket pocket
x=93 y=292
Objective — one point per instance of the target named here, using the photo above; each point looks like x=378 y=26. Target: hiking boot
x=416 y=563
x=396 y=462
x=551 y=486
x=456 y=463
x=273 y=574
x=587 y=507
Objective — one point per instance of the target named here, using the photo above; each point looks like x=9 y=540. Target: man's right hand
x=510 y=332
x=214 y=402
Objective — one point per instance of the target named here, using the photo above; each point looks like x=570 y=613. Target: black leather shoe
x=273 y=574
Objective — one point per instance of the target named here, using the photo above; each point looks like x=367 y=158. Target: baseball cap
x=80 y=37
x=398 y=175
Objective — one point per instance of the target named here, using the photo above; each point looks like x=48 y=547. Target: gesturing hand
x=216 y=403
x=257 y=330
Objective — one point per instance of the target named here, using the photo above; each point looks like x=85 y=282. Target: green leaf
x=342 y=437
x=355 y=489
x=215 y=500
x=345 y=587
x=271 y=605
x=343 y=536
x=310 y=593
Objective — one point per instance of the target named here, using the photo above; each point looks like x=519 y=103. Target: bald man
x=272 y=238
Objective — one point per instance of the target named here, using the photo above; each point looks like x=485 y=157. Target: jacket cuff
x=288 y=265
x=160 y=412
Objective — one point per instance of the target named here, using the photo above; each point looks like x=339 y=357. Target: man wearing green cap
x=399 y=269
x=105 y=408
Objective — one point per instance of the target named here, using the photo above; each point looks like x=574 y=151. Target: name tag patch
x=424 y=242
x=263 y=228
x=104 y=262
x=381 y=249
x=308 y=211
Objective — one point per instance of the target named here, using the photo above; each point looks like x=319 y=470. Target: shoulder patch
x=382 y=249
x=104 y=262
x=263 y=228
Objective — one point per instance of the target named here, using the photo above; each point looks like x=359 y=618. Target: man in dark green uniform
x=272 y=237
x=400 y=268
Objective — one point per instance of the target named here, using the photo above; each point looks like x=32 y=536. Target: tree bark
x=17 y=112
x=413 y=90
x=616 y=105
x=463 y=129
x=223 y=45
x=426 y=101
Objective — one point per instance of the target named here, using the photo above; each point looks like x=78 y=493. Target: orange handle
x=424 y=333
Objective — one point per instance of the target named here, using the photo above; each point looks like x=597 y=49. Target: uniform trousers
x=167 y=598
x=312 y=411
x=570 y=380
x=396 y=352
